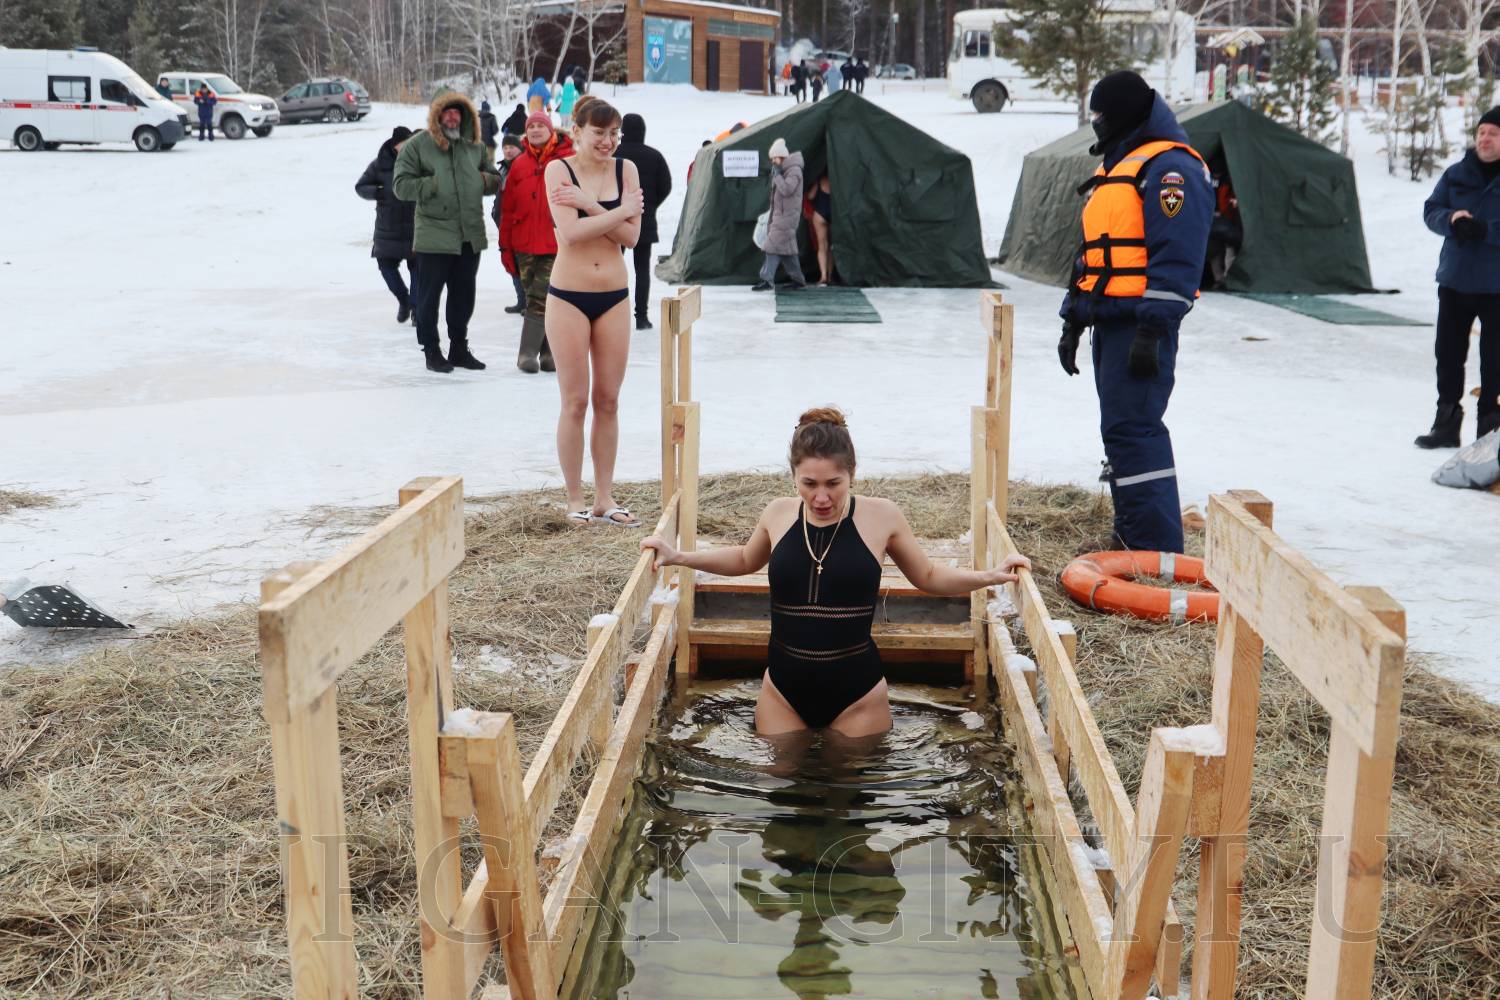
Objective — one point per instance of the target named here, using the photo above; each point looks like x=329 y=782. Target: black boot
x=533 y=332
x=1488 y=423
x=516 y=309
x=545 y=357
x=403 y=312
x=1444 y=433
x=642 y=323
x=435 y=360
x=459 y=356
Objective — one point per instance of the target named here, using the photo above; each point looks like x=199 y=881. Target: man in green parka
x=447 y=171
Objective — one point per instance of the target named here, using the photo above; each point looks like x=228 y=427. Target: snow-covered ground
x=198 y=350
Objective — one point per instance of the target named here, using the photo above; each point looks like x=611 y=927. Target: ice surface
x=199 y=351
x=1204 y=740
x=462 y=722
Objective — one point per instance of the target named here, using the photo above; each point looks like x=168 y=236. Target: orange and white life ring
x=1108 y=581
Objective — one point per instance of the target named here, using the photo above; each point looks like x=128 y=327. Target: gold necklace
x=817 y=559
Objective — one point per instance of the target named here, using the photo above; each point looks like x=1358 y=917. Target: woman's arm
x=944 y=581
x=738 y=560
x=629 y=234
x=566 y=200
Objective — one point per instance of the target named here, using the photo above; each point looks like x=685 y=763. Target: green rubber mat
x=834 y=304
x=1330 y=310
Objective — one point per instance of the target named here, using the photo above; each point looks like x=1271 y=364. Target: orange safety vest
x=1114 y=225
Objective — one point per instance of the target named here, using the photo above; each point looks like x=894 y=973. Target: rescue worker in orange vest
x=1145 y=232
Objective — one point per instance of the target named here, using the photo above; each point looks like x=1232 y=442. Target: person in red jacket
x=527 y=242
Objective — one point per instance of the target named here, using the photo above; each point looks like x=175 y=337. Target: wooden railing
x=1346 y=646
x=316 y=620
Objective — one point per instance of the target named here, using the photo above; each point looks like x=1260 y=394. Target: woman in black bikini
x=596 y=203
x=825 y=552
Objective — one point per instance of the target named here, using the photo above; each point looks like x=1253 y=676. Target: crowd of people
x=819 y=73
x=571 y=199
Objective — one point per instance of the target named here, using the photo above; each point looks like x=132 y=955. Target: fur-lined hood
x=468 y=125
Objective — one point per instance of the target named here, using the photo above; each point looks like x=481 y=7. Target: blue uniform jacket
x=205 y=102
x=1175 y=245
x=1471 y=266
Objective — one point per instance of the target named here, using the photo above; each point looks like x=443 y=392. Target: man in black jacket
x=489 y=126
x=656 y=184
x=516 y=123
x=394 y=221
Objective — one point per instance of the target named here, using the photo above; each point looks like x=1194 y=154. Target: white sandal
x=581 y=517
x=608 y=517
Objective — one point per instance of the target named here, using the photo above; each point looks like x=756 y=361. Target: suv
x=236 y=110
x=327 y=98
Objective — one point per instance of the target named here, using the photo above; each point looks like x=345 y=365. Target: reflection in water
x=817 y=866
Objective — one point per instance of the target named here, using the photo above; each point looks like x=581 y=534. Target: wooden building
x=713 y=46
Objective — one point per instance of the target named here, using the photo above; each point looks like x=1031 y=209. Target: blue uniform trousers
x=1143 y=480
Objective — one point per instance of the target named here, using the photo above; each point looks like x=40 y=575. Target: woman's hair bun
x=823 y=415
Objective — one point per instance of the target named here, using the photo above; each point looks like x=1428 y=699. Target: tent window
x=976 y=44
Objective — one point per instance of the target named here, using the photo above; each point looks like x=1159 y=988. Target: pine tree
x=40 y=24
x=1303 y=89
x=1066 y=44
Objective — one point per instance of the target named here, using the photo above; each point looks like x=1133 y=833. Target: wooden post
x=603 y=721
x=495 y=780
x=314 y=855
x=1236 y=709
x=979 y=495
x=429 y=699
x=1069 y=638
x=669 y=312
x=1351 y=856
x=1000 y=322
x=686 y=418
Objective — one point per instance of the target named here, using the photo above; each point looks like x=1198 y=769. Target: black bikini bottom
x=591 y=304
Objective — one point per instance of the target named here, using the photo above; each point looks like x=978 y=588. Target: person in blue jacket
x=205 y=99
x=1465 y=210
x=1145 y=233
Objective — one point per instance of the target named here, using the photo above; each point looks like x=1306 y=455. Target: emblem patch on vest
x=1171 y=201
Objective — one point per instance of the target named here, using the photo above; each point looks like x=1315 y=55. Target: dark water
x=820 y=867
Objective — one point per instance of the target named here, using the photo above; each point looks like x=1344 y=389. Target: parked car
x=237 y=110
x=84 y=96
x=896 y=71
x=326 y=99
x=835 y=56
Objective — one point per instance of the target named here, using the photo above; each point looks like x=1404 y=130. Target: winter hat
x=1490 y=117
x=778 y=148
x=633 y=128
x=400 y=133
x=539 y=116
x=484 y=105
x=511 y=140
x=1123 y=101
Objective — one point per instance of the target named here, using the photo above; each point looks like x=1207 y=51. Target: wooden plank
x=685 y=416
x=887 y=635
x=1069 y=638
x=1056 y=826
x=511 y=880
x=684 y=364
x=669 y=308
x=979 y=494
x=689 y=301
x=554 y=759
x=1161 y=819
x=586 y=853
x=1351 y=855
x=1340 y=652
x=317 y=627
x=310 y=816
x=999 y=319
x=475 y=922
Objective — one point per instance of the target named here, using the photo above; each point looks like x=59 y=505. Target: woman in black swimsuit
x=825 y=552
x=596 y=203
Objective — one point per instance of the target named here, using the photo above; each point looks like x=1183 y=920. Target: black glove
x=1067 y=347
x=1470 y=228
x=1143 y=353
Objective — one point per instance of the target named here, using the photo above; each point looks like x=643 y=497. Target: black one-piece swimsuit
x=822 y=658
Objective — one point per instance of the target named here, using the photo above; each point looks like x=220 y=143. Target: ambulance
x=81 y=95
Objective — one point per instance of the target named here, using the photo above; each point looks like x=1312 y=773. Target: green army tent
x=904 y=210
x=1297 y=202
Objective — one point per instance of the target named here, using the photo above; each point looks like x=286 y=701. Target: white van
x=81 y=95
x=235 y=111
x=1162 y=43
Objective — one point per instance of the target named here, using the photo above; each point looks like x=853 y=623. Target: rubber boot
x=435 y=360
x=545 y=358
x=533 y=332
x=459 y=356
x=1444 y=433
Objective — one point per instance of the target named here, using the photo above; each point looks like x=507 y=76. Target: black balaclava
x=633 y=128
x=1123 y=101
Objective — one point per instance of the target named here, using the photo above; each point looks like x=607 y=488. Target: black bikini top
x=619 y=186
